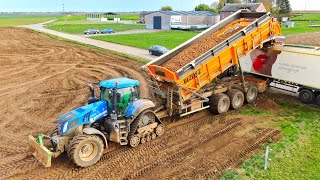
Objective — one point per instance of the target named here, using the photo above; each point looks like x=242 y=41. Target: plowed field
x=42 y=78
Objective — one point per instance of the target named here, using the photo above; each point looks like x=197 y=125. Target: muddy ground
x=42 y=78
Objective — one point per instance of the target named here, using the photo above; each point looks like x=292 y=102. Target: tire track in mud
x=219 y=168
x=181 y=153
x=43 y=79
x=9 y=169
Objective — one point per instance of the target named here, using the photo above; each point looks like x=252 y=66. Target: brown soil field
x=311 y=39
x=42 y=78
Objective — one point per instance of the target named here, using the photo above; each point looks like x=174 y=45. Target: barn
x=167 y=20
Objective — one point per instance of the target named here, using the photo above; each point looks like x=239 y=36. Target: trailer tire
x=85 y=150
x=306 y=96
x=318 y=100
x=252 y=94
x=219 y=103
x=236 y=98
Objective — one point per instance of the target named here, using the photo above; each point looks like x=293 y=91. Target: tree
x=285 y=7
x=204 y=7
x=166 y=8
x=214 y=5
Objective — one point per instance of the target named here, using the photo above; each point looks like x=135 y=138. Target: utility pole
x=63 y=12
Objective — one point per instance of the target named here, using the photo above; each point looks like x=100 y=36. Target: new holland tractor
x=118 y=115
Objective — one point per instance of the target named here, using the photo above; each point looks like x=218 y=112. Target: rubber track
x=133 y=127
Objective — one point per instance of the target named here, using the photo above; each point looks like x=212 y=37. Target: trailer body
x=290 y=67
x=186 y=88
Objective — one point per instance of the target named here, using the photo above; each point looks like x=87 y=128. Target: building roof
x=232 y=7
x=194 y=13
x=118 y=83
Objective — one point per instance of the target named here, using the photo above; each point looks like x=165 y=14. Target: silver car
x=92 y=31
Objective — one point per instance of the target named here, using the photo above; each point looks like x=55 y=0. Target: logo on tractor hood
x=83 y=115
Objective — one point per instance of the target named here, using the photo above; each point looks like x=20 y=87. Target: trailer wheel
x=236 y=98
x=306 y=96
x=85 y=150
x=318 y=100
x=252 y=94
x=219 y=103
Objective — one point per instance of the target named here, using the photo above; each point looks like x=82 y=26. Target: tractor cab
x=119 y=94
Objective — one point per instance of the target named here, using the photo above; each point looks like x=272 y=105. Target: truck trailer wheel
x=236 y=98
x=219 y=103
x=252 y=94
x=306 y=96
x=85 y=150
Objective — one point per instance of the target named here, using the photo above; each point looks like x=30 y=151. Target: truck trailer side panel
x=290 y=63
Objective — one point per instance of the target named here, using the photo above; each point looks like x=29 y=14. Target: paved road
x=134 y=31
x=136 y=52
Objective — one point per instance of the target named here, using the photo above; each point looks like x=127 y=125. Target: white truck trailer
x=293 y=68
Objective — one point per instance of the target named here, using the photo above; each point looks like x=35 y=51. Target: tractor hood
x=82 y=115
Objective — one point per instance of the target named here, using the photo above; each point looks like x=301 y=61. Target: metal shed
x=181 y=19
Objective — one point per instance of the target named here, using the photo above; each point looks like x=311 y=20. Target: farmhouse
x=180 y=19
x=229 y=9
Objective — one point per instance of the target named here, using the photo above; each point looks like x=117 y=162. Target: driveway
x=132 y=51
x=134 y=31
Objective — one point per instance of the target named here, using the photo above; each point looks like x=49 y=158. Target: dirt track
x=41 y=78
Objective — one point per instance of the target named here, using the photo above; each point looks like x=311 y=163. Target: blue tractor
x=117 y=115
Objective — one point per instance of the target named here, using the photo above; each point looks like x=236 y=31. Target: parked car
x=157 y=50
x=108 y=30
x=92 y=31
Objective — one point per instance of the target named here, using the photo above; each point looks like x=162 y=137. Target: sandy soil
x=311 y=39
x=195 y=50
x=41 y=78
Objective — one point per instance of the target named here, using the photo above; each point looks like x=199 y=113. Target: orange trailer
x=189 y=89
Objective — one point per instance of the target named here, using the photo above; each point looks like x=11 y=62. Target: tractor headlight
x=65 y=127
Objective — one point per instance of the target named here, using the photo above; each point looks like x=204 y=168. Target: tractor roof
x=118 y=83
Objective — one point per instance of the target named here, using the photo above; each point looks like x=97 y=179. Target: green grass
x=133 y=17
x=301 y=27
x=306 y=17
x=295 y=156
x=72 y=18
x=168 y=39
x=98 y=48
x=16 y=20
x=80 y=28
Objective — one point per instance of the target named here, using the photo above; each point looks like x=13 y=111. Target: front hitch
x=42 y=153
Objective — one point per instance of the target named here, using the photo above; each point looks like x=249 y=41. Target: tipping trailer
x=292 y=68
x=119 y=115
x=190 y=89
